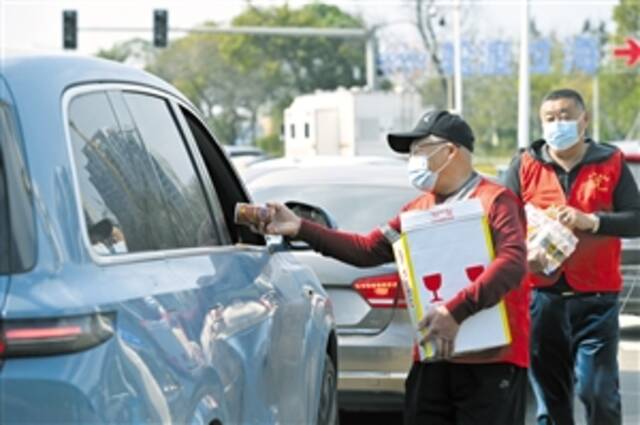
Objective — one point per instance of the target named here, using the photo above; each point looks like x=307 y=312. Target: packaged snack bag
x=546 y=233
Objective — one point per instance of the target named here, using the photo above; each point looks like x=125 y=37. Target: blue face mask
x=561 y=135
x=420 y=176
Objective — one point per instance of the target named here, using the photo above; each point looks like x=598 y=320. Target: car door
x=198 y=318
x=292 y=354
x=152 y=373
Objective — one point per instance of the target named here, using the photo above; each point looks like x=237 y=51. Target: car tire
x=328 y=405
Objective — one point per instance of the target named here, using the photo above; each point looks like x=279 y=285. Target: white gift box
x=440 y=251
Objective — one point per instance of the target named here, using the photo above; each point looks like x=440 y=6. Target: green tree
x=619 y=84
x=627 y=18
x=300 y=64
x=492 y=111
x=427 y=26
x=234 y=78
x=289 y=66
x=226 y=95
x=135 y=51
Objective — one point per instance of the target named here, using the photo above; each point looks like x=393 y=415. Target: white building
x=347 y=122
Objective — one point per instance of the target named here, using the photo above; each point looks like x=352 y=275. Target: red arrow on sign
x=632 y=51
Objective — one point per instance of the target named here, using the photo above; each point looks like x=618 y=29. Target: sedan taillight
x=50 y=336
x=381 y=291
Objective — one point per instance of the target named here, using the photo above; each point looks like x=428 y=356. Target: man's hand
x=537 y=261
x=441 y=329
x=282 y=221
x=575 y=219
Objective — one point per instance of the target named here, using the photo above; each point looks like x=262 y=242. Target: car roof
x=235 y=150
x=259 y=169
x=52 y=74
x=323 y=160
x=630 y=148
x=345 y=173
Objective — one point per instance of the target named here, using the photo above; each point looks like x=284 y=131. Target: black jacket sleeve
x=624 y=221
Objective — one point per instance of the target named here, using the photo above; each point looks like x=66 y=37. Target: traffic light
x=70 y=29
x=160 y=27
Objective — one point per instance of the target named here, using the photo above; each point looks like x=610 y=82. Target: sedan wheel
x=328 y=406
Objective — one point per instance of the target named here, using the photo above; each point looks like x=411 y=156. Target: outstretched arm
x=359 y=250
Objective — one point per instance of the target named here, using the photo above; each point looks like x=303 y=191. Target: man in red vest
x=488 y=387
x=574 y=311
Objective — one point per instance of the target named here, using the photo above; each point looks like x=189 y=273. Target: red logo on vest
x=598 y=181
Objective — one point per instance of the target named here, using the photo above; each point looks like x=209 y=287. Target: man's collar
x=596 y=152
x=546 y=156
x=463 y=187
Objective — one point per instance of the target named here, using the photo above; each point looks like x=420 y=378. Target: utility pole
x=596 y=108
x=370 y=60
x=524 y=90
x=457 y=59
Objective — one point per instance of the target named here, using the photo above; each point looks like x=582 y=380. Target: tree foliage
x=619 y=84
x=233 y=78
x=227 y=95
x=135 y=51
x=627 y=18
x=301 y=63
x=426 y=26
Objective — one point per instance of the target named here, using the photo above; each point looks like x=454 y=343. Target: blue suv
x=127 y=293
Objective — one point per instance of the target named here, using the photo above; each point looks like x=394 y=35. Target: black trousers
x=443 y=393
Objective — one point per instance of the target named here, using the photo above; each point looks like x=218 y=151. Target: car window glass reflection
x=110 y=166
x=182 y=192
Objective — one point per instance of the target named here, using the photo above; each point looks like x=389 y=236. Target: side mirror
x=311 y=213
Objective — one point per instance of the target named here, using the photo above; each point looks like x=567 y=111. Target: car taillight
x=381 y=291
x=49 y=336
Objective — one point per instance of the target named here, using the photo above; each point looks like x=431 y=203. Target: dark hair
x=565 y=94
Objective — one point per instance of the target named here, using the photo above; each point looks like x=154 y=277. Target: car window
x=134 y=199
x=356 y=208
x=182 y=191
x=17 y=224
x=120 y=195
x=228 y=190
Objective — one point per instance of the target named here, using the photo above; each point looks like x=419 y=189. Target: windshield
x=355 y=208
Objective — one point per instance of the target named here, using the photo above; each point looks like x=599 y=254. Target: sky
x=36 y=25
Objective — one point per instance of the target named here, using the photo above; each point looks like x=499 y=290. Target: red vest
x=595 y=264
x=516 y=301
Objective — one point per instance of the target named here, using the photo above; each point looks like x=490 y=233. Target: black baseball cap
x=439 y=123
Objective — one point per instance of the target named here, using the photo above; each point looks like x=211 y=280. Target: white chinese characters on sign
x=495 y=57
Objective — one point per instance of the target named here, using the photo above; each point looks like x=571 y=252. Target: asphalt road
x=628 y=357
